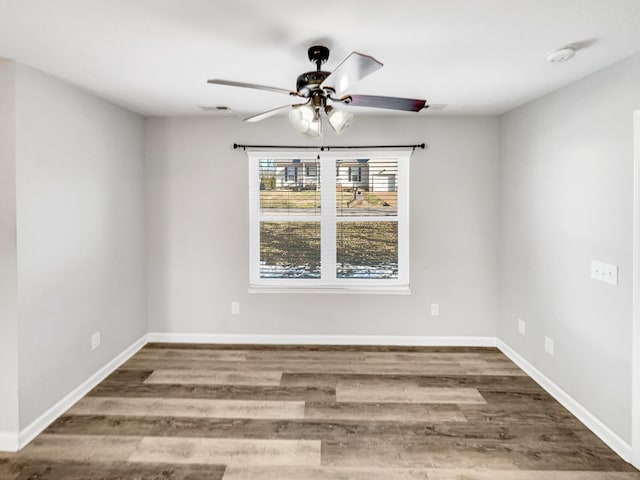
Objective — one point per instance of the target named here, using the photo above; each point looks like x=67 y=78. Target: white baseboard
x=44 y=420
x=605 y=434
x=415 y=341
x=8 y=442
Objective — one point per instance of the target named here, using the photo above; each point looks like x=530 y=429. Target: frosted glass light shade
x=339 y=120
x=305 y=120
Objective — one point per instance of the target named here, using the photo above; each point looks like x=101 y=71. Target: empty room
x=320 y=240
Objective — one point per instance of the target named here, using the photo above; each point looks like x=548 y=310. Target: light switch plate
x=235 y=308
x=604 y=272
x=435 y=309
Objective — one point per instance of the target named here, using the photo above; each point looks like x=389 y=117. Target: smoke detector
x=561 y=55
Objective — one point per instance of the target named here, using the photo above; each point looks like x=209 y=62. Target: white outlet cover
x=522 y=327
x=235 y=308
x=604 y=272
x=95 y=340
x=435 y=309
x=548 y=345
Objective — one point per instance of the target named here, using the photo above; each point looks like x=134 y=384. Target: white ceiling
x=476 y=56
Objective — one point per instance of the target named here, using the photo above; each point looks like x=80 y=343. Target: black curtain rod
x=329 y=147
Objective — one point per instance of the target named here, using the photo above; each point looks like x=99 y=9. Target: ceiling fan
x=323 y=90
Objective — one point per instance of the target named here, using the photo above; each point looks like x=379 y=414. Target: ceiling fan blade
x=231 y=83
x=353 y=69
x=392 y=103
x=267 y=114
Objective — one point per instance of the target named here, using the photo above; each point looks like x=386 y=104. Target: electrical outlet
x=435 y=309
x=604 y=272
x=522 y=327
x=235 y=308
x=548 y=346
x=95 y=340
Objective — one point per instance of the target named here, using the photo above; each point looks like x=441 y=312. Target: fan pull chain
x=320 y=137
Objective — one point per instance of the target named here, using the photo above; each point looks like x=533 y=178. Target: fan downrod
x=318 y=54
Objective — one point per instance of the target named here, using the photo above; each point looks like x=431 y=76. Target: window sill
x=358 y=290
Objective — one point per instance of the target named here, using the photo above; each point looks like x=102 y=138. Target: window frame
x=328 y=218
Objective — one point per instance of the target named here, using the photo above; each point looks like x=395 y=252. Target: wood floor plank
x=81 y=448
x=473 y=474
x=481 y=382
x=8 y=470
x=410 y=455
x=193 y=354
x=227 y=451
x=188 y=407
x=427 y=357
x=384 y=412
x=391 y=394
x=322 y=473
x=525 y=433
x=120 y=377
x=208 y=377
x=477 y=454
x=326 y=366
x=237 y=392
x=229 y=428
x=116 y=471
x=381 y=357
x=524 y=413
x=436 y=433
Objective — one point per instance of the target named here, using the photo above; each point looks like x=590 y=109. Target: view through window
x=334 y=221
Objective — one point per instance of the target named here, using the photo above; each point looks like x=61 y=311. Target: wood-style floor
x=195 y=412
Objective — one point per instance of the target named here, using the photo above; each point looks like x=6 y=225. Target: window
x=291 y=174
x=343 y=226
x=355 y=174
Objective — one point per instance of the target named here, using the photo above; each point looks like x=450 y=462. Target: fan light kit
x=323 y=90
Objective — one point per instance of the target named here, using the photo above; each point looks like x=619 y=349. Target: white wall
x=566 y=199
x=198 y=231
x=635 y=361
x=8 y=262
x=80 y=221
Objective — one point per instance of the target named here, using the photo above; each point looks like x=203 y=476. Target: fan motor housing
x=310 y=81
